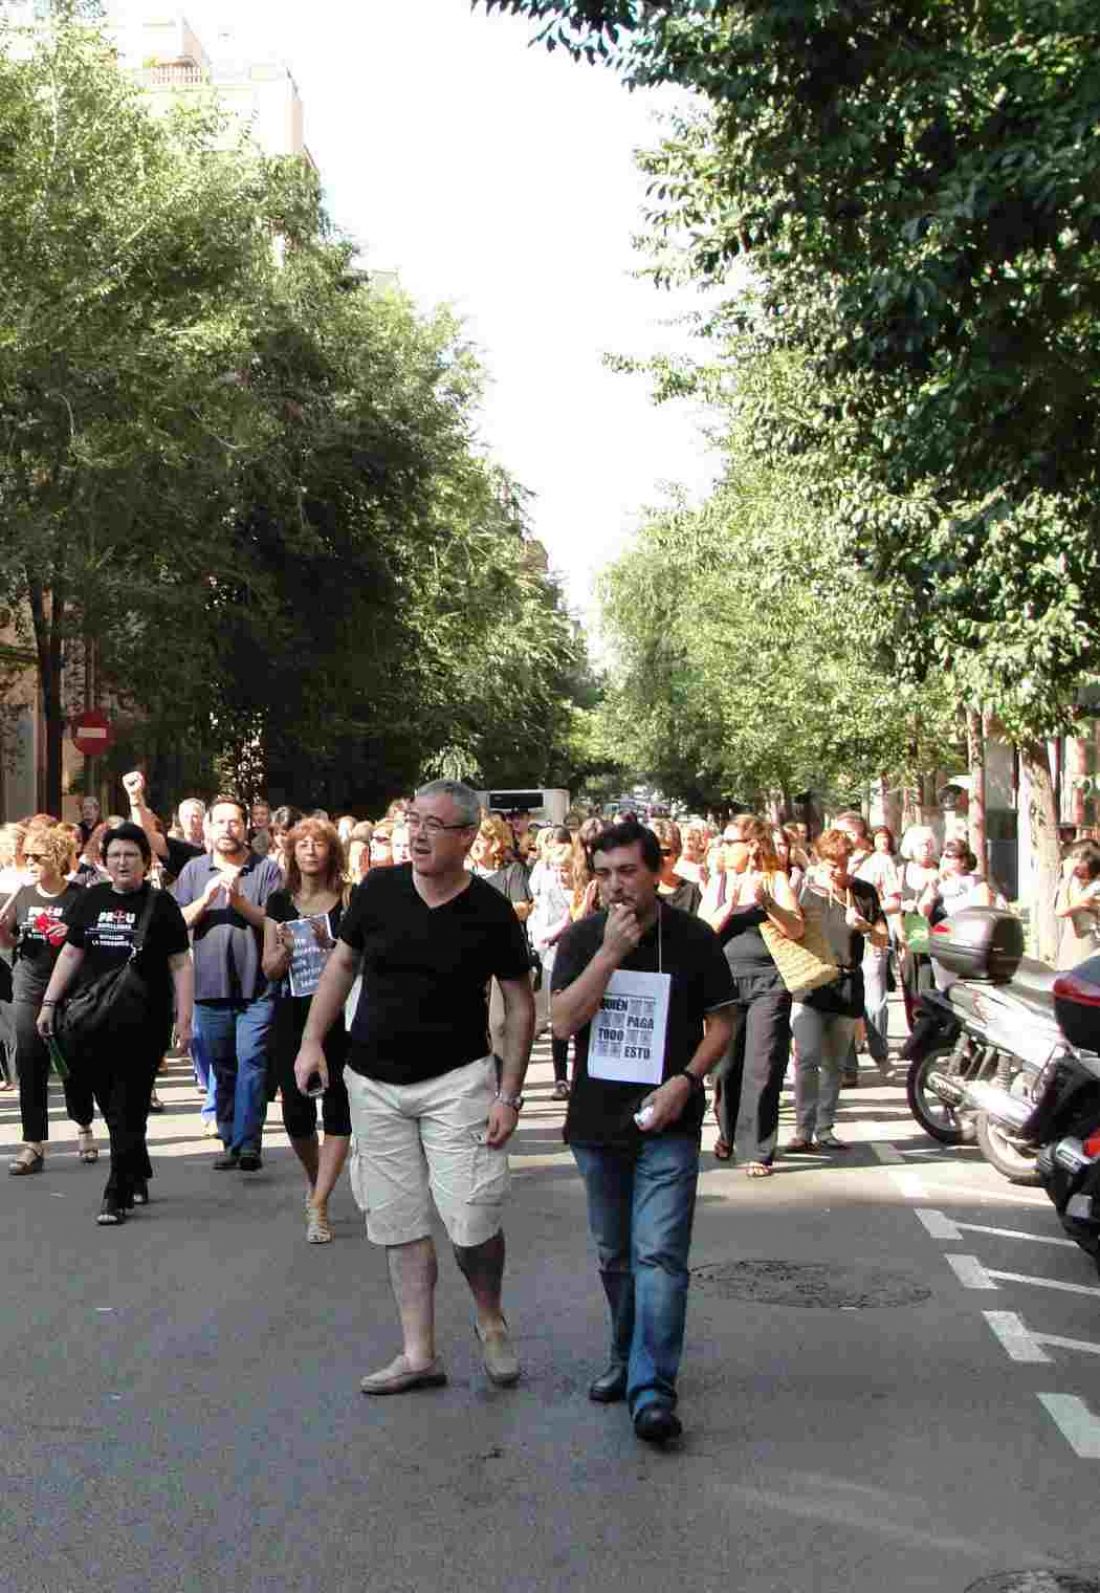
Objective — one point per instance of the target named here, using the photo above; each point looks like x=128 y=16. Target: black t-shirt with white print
x=40 y=931
x=601 y=1111
x=102 y=922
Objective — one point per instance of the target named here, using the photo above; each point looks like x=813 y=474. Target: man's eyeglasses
x=433 y=826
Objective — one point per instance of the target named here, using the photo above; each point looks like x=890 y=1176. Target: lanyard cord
x=660 y=942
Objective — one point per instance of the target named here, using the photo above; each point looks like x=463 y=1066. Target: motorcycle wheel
x=1017 y=1166
x=940 y=1121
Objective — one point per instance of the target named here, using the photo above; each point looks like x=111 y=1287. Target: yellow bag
x=804 y=964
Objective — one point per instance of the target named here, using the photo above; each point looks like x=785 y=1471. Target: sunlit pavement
x=890 y=1381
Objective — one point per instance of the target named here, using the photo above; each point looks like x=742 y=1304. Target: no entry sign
x=91 y=733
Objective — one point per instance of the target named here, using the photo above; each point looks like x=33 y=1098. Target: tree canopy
x=246 y=476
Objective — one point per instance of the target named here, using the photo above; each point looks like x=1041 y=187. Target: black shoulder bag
x=117 y=1000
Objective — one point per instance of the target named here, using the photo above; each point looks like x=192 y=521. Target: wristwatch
x=514 y=1101
x=693 y=1079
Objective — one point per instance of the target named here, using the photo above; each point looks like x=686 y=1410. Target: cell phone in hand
x=314 y=1087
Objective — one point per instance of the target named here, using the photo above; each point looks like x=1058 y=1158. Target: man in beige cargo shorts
x=432 y=1109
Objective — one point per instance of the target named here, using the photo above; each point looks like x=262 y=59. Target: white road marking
x=1019 y=1344
x=940 y=1226
x=1038 y=1202
x=970 y=1272
x=1078 y=1426
x=1024 y=1345
x=887 y=1154
x=911 y=1185
x=1042 y=1283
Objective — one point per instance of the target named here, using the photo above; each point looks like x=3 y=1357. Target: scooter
x=979 y=1046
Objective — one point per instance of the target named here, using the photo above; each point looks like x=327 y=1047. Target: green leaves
x=249 y=475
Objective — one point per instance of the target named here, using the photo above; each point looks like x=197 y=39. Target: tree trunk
x=1042 y=817
x=47 y=641
x=975 y=750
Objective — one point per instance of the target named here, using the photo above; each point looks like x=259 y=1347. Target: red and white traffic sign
x=92 y=733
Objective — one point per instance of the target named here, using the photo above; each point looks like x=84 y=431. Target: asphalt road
x=179 y=1404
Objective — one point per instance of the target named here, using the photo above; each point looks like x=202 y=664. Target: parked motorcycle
x=979 y=1047
x=1065 y=1122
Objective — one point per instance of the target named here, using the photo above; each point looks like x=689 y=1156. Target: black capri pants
x=300 y=1111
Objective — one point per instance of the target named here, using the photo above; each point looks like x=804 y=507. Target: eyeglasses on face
x=33 y=857
x=433 y=826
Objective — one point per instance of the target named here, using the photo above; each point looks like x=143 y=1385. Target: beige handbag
x=804 y=964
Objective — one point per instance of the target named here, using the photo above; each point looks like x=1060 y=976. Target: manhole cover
x=808 y=1283
x=1037 y=1582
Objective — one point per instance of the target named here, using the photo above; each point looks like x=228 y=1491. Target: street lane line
x=970 y=1272
x=1024 y=1345
x=911 y=1185
x=1037 y=1202
x=1019 y=1344
x=941 y=1226
x=1078 y=1426
x=1042 y=1283
x=887 y=1154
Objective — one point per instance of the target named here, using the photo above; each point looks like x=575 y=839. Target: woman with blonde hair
x=300 y=929
x=550 y=918
x=490 y=857
x=33 y=922
x=823 y=1021
x=757 y=893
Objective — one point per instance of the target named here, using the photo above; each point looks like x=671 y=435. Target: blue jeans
x=233 y=1038
x=640 y=1210
x=205 y=1076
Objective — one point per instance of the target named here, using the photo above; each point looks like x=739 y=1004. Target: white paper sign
x=626 y=1042
x=312 y=945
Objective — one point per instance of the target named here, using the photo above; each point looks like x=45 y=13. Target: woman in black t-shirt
x=102 y=925
x=313 y=903
x=33 y=922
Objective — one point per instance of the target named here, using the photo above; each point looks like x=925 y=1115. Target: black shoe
x=140 y=1194
x=610 y=1387
x=155 y=1103
x=111 y=1214
x=657 y=1424
x=228 y=1161
x=250 y=1161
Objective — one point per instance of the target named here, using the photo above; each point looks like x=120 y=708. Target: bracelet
x=44 y=1003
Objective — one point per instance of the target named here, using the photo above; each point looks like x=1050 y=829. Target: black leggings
x=33 y=1063
x=559 y=1055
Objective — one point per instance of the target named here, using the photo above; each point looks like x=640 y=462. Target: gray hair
x=464 y=799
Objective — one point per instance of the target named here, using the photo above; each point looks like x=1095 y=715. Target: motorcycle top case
x=1077 y=1004
x=983 y=943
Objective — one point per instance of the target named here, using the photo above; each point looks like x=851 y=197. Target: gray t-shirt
x=226 y=948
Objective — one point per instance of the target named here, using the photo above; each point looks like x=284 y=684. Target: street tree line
x=901 y=199
x=244 y=477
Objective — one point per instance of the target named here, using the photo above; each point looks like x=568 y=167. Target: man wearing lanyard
x=643 y=1048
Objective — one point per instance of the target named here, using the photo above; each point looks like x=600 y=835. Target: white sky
x=499 y=178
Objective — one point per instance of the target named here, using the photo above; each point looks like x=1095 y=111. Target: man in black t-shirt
x=646 y=990
x=430 y=1115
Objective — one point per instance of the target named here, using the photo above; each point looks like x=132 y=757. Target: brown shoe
x=399 y=1377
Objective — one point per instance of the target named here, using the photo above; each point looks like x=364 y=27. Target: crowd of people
x=384 y=982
